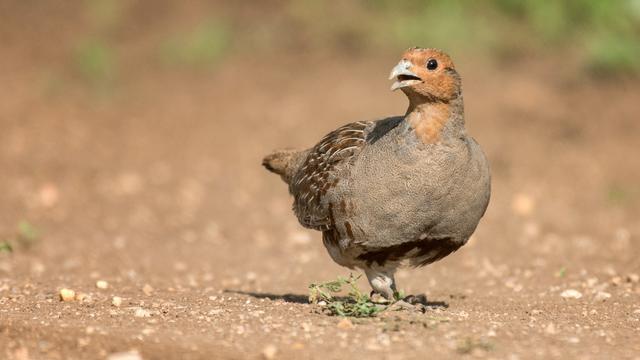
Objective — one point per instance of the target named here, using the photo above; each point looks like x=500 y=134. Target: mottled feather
x=316 y=174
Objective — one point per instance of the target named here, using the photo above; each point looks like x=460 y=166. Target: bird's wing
x=315 y=176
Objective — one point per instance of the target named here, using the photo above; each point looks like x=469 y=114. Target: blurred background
x=132 y=131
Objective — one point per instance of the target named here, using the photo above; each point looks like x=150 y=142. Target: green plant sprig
x=355 y=304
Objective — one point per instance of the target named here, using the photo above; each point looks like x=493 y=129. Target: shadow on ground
x=290 y=298
x=304 y=299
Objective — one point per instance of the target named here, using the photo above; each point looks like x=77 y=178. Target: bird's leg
x=382 y=281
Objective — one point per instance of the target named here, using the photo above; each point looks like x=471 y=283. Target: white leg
x=382 y=281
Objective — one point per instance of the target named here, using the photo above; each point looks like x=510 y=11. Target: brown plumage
x=402 y=190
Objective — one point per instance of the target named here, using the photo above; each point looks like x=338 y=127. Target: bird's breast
x=392 y=194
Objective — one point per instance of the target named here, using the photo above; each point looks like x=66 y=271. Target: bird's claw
x=404 y=305
x=377 y=298
x=416 y=299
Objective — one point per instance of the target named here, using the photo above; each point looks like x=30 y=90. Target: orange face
x=428 y=74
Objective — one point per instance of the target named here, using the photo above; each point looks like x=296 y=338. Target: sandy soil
x=155 y=187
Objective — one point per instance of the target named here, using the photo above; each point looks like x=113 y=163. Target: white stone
x=571 y=294
x=601 y=296
x=269 y=352
x=141 y=313
x=67 y=294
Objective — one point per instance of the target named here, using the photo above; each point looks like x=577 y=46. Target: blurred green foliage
x=356 y=304
x=610 y=52
x=5 y=247
x=620 y=195
x=27 y=233
x=95 y=60
x=203 y=45
x=606 y=34
x=95 y=57
x=25 y=237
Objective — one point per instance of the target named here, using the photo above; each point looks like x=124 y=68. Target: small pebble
x=571 y=294
x=591 y=282
x=101 y=284
x=574 y=340
x=141 y=313
x=82 y=297
x=147 y=289
x=116 y=301
x=251 y=276
x=67 y=294
x=269 y=352
x=601 y=296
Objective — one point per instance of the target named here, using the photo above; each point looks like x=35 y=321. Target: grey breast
x=398 y=192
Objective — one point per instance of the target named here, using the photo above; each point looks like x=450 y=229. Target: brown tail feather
x=282 y=162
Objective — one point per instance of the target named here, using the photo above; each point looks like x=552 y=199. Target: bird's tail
x=283 y=163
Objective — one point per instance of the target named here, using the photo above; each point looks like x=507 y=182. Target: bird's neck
x=435 y=121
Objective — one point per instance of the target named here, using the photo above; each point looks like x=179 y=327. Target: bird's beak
x=404 y=77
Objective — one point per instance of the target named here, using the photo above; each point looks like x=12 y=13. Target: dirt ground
x=155 y=186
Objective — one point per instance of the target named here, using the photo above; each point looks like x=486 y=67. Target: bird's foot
x=382 y=282
x=378 y=298
x=403 y=304
x=399 y=302
x=420 y=299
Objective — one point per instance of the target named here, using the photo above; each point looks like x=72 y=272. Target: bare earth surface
x=155 y=187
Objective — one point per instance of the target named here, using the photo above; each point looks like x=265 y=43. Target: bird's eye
x=432 y=64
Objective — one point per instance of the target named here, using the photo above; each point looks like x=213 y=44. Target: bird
x=402 y=191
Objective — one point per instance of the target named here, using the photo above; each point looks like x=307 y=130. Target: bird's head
x=426 y=75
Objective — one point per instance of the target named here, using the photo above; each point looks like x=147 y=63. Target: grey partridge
x=404 y=190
